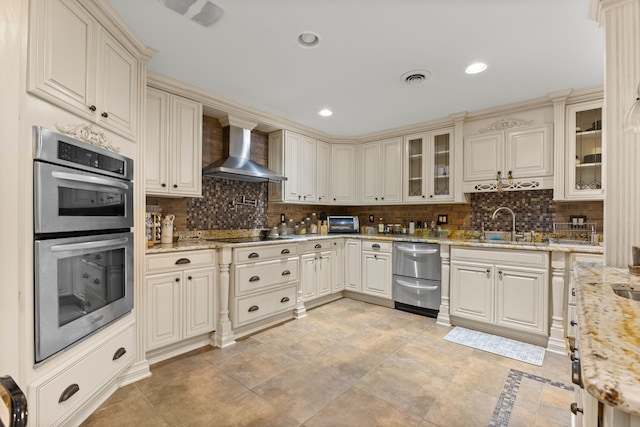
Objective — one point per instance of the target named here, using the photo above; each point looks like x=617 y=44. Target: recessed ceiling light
x=308 y=39
x=475 y=68
x=325 y=112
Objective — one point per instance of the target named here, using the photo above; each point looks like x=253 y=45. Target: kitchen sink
x=629 y=294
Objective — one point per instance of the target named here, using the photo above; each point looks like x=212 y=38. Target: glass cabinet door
x=584 y=151
x=415 y=156
x=441 y=165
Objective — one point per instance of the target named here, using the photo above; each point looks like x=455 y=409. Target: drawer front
x=368 y=245
x=582 y=257
x=266 y=274
x=85 y=376
x=511 y=257
x=261 y=253
x=256 y=307
x=160 y=263
x=317 y=245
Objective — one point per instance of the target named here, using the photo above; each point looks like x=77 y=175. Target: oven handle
x=417 y=251
x=410 y=285
x=88 y=245
x=91 y=179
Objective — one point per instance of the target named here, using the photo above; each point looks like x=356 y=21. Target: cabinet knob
x=299 y=197
x=92 y=107
x=573 y=357
x=376 y=198
x=96 y=281
x=382 y=198
x=575 y=409
x=69 y=392
x=85 y=275
x=572 y=347
x=423 y=196
x=163 y=185
x=573 y=292
x=175 y=185
x=573 y=323
x=319 y=198
x=189 y=277
x=177 y=279
x=499 y=275
x=105 y=114
x=431 y=196
x=334 y=199
x=488 y=273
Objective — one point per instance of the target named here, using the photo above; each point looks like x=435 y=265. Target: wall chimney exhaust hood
x=236 y=165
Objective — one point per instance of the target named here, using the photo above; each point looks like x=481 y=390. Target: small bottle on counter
x=381 y=226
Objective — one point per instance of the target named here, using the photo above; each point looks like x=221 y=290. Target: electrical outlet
x=443 y=219
x=371 y=220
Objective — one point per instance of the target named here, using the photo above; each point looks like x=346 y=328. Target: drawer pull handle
x=286 y=273
x=183 y=261
x=285 y=251
x=318 y=246
x=119 y=353
x=68 y=392
x=575 y=409
x=375 y=246
x=284 y=299
x=576 y=375
x=488 y=273
x=572 y=347
x=573 y=357
x=573 y=323
x=253 y=308
x=254 y=278
x=253 y=255
x=573 y=292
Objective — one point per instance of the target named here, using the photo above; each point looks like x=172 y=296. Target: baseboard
x=136 y=372
x=370 y=299
x=172 y=350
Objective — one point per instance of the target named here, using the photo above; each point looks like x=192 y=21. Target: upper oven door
x=69 y=200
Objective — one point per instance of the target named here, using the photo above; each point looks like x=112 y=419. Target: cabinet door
x=529 y=152
x=338 y=266
x=293 y=170
x=371 y=172
x=186 y=139
x=584 y=177
x=343 y=174
x=352 y=267
x=199 y=301
x=521 y=298
x=164 y=309
x=414 y=170
x=324 y=275
x=117 y=76
x=376 y=274
x=62 y=55
x=483 y=156
x=157 y=143
x=439 y=167
x=472 y=292
x=323 y=168
x=276 y=163
x=308 y=267
x=391 y=170
x=309 y=172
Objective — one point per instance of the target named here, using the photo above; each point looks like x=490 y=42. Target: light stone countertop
x=195 y=244
x=609 y=334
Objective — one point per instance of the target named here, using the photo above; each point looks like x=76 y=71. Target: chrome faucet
x=513 y=220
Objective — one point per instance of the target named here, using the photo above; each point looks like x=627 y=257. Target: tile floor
x=348 y=363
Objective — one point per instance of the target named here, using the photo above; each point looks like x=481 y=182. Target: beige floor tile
x=419 y=355
x=300 y=392
x=523 y=417
x=529 y=394
x=555 y=396
x=479 y=374
x=459 y=406
x=301 y=345
x=560 y=415
x=132 y=412
x=216 y=355
x=357 y=408
x=377 y=342
x=167 y=372
x=346 y=362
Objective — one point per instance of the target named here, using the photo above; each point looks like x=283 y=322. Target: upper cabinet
x=428 y=167
x=521 y=158
x=77 y=65
x=583 y=169
x=343 y=173
x=382 y=171
x=173 y=165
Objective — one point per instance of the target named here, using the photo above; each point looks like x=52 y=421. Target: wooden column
x=443 y=314
x=224 y=332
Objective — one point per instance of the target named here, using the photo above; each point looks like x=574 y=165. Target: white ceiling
x=251 y=55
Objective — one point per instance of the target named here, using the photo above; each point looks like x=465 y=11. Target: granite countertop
x=210 y=243
x=609 y=334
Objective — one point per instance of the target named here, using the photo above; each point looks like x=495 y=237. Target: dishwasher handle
x=417 y=251
x=412 y=286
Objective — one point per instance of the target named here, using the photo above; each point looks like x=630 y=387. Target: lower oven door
x=81 y=284
x=417 y=292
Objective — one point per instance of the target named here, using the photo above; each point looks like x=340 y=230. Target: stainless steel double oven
x=83 y=244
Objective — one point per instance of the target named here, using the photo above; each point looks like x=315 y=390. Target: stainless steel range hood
x=236 y=164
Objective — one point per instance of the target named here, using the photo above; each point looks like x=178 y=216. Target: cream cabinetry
x=352 y=269
x=343 y=173
x=174 y=145
x=323 y=168
x=523 y=154
x=382 y=172
x=77 y=65
x=54 y=399
x=180 y=296
x=571 y=315
x=316 y=264
x=508 y=289
x=428 y=168
x=583 y=176
x=264 y=282
x=376 y=268
x=337 y=249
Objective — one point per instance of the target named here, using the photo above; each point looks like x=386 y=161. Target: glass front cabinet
x=584 y=151
x=427 y=163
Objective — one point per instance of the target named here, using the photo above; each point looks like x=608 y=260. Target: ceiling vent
x=202 y=12
x=416 y=77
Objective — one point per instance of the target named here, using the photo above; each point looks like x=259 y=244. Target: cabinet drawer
x=583 y=257
x=511 y=257
x=261 y=253
x=368 y=245
x=159 y=263
x=316 y=245
x=255 y=307
x=265 y=274
x=85 y=376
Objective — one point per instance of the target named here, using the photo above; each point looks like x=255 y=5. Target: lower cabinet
x=316 y=269
x=376 y=268
x=571 y=316
x=338 y=265
x=352 y=269
x=180 y=299
x=500 y=287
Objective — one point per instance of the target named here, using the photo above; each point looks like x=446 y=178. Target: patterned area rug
x=506 y=347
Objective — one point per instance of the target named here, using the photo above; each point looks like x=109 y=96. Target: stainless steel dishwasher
x=416 y=277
